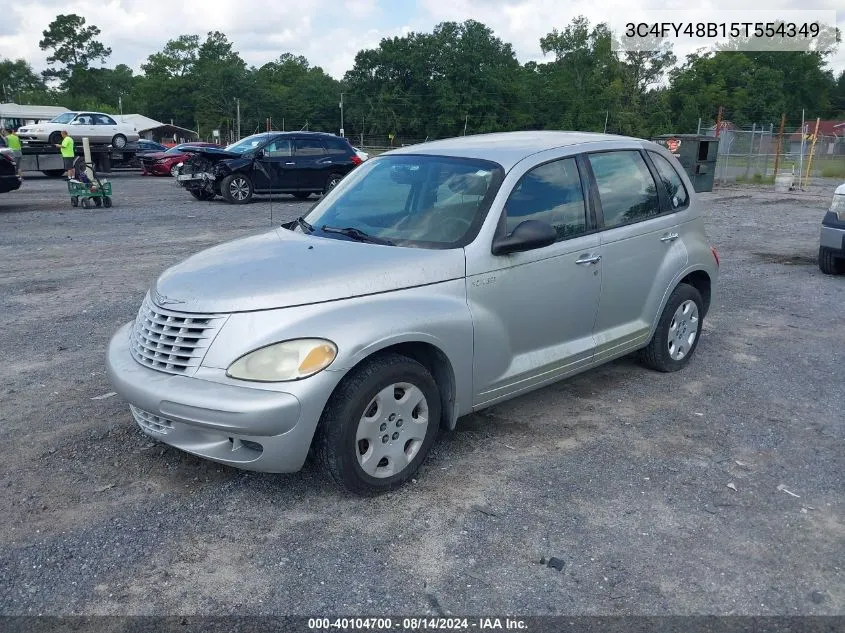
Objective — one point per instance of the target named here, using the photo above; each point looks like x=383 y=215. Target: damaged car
x=297 y=163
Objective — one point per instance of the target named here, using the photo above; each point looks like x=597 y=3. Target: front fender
x=436 y=315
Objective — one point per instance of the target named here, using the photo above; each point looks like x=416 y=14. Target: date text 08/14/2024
x=416 y=624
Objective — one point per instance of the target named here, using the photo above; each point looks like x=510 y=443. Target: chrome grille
x=172 y=342
x=150 y=422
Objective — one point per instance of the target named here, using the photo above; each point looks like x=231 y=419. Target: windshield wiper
x=301 y=223
x=356 y=234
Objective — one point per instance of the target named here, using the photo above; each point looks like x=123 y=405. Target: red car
x=165 y=163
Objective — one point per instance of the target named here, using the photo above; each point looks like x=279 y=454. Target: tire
x=331 y=182
x=174 y=171
x=74 y=201
x=236 y=189
x=302 y=195
x=107 y=202
x=54 y=139
x=118 y=141
x=829 y=264
x=342 y=443
x=98 y=202
x=54 y=173
x=669 y=349
x=202 y=194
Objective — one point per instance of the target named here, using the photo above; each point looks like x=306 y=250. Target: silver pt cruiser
x=433 y=281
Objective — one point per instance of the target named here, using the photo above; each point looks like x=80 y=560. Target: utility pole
x=238 y=101
x=801 y=159
x=606 y=116
x=466 y=122
x=341 y=114
x=120 y=104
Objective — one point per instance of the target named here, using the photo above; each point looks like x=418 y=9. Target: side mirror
x=527 y=236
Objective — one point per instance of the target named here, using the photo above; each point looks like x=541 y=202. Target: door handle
x=290 y=163
x=669 y=237
x=586 y=260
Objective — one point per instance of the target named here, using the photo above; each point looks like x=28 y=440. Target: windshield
x=67 y=117
x=248 y=143
x=422 y=201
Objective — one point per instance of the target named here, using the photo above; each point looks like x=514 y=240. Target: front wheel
x=830 y=264
x=55 y=138
x=118 y=141
x=379 y=425
x=174 y=171
x=236 y=189
x=678 y=331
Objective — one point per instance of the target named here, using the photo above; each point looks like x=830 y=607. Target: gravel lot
x=621 y=473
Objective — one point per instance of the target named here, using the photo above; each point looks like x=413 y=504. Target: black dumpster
x=697 y=155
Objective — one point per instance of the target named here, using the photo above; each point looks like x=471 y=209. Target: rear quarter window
x=671 y=182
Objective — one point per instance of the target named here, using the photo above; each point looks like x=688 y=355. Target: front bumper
x=244 y=427
x=833 y=239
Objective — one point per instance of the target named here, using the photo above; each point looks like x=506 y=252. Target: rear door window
x=309 y=147
x=627 y=191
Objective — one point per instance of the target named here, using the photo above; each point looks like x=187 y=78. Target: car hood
x=157 y=155
x=212 y=153
x=283 y=269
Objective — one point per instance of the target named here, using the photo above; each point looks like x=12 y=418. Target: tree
x=73 y=46
x=219 y=78
x=18 y=81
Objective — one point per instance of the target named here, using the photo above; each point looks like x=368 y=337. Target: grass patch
x=834 y=171
x=756 y=179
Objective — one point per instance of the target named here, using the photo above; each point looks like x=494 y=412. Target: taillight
x=715 y=254
x=356 y=160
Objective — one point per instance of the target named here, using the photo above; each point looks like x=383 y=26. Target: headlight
x=838 y=206
x=280 y=362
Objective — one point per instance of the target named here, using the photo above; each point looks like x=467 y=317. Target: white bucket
x=784 y=182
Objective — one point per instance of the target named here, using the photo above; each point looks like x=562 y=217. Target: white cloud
x=328 y=32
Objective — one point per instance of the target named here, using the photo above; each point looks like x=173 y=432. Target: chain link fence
x=751 y=155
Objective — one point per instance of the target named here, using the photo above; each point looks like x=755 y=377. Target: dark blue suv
x=298 y=163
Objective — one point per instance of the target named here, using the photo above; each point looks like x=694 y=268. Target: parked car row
x=167 y=161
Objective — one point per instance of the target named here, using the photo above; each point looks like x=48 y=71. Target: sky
x=330 y=32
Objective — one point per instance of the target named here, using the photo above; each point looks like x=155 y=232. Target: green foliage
x=458 y=77
x=73 y=47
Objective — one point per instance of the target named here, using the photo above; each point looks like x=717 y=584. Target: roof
x=144 y=123
x=508 y=148
x=826 y=128
x=15 y=111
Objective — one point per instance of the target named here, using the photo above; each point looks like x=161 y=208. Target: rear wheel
x=332 y=181
x=379 y=424
x=107 y=202
x=74 y=201
x=202 y=194
x=98 y=202
x=118 y=141
x=54 y=139
x=53 y=173
x=236 y=189
x=829 y=264
x=302 y=195
x=678 y=331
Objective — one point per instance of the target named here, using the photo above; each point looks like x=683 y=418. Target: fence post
x=779 y=145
